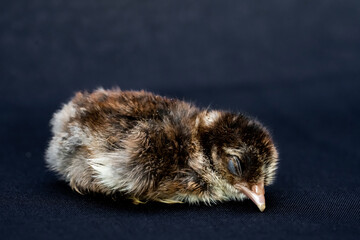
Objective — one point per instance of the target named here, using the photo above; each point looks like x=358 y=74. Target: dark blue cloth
x=293 y=64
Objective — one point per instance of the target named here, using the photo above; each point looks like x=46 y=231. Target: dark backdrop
x=292 y=64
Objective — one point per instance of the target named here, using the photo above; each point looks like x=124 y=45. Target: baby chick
x=151 y=148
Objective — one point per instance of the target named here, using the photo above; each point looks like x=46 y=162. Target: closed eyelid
x=231 y=167
x=234 y=166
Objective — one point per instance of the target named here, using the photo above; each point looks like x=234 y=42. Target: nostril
x=258 y=188
x=255 y=189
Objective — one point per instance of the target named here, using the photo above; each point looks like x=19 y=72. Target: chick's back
x=136 y=143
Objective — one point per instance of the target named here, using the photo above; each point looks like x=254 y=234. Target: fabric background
x=292 y=64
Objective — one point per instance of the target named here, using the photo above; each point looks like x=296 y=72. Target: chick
x=152 y=148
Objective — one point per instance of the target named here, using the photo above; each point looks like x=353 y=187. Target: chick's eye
x=234 y=166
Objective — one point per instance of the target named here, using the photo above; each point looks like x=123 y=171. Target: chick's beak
x=256 y=194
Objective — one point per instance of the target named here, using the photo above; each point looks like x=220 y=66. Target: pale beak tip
x=261 y=207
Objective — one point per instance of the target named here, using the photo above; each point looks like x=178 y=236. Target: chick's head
x=242 y=152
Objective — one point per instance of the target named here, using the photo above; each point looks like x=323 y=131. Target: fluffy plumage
x=148 y=147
